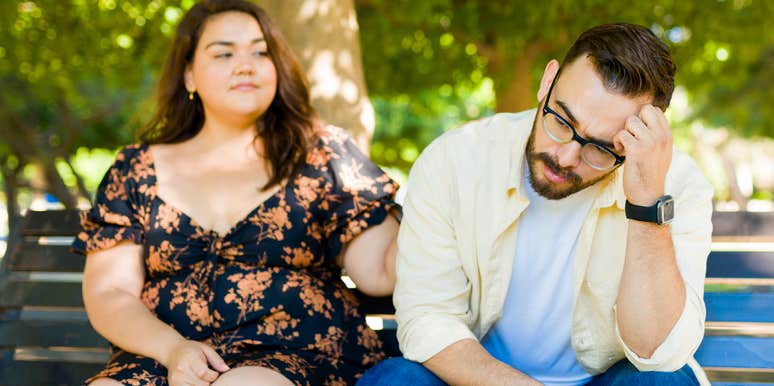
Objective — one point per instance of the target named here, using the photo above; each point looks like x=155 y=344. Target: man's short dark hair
x=630 y=59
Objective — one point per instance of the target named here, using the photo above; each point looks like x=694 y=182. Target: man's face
x=558 y=170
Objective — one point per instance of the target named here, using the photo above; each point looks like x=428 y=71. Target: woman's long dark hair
x=287 y=128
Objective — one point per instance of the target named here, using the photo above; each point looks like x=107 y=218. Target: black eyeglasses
x=593 y=153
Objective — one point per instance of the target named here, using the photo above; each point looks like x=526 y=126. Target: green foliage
x=724 y=51
x=78 y=73
x=407 y=124
x=91 y=164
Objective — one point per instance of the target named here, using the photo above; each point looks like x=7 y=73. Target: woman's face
x=232 y=72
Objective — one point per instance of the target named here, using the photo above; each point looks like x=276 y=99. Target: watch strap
x=642 y=213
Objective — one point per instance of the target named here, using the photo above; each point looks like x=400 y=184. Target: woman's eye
x=261 y=53
x=223 y=55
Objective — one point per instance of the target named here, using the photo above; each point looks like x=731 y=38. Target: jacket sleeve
x=692 y=239
x=432 y=292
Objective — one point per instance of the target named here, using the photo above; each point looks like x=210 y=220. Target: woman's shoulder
x=331 y=143
x=131 y=151
x=132 y=159
x=329 y=134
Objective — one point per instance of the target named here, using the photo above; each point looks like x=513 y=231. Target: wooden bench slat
x=742 y=352
x=757 y=265
x=31 y=256
x=743 y=224
x=43 y=372
x=98 y=356
x=40 y=294
x=66 y=222
x=753 y=377
x=17 y=331
x=51 y=223
x=15 y=293
x=739 y=384
x=761 y=330
x=740 y=307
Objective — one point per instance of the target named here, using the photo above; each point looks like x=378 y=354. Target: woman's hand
x=189 y=363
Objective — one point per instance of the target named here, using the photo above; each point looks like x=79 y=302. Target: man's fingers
x=637 y=128
x=214 y=359
x=656 y=122
x=649 y=115
x=625 y=139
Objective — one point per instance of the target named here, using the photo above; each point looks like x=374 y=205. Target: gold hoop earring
x=190 y=95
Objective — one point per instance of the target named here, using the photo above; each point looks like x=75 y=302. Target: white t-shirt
x=533 y=335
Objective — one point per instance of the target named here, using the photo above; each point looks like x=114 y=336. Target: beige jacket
x=457 y=239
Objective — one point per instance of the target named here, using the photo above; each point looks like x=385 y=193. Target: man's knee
x=624 y=373
x=399 y=371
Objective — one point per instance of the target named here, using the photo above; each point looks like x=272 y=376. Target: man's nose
x=569 y=155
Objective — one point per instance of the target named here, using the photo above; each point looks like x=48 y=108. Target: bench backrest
x=45 y=337
x=739 y=334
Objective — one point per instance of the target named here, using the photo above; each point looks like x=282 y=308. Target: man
x=539 y=247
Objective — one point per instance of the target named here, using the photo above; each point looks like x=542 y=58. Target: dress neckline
x=196 y=224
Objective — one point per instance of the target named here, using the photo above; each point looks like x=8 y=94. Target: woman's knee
x=104 y=382
x=252 y=375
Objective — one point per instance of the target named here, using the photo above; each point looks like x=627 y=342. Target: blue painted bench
x=45 y=337
x=738 y=347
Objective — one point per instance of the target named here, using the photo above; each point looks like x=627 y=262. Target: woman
x=215 y=247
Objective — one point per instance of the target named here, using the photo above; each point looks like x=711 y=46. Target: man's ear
x=552 y=68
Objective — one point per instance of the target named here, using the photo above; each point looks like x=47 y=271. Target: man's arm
x=659 y=310
x=652 y=293
x=466 y=362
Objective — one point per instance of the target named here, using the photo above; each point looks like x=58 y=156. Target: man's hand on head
x=647 y=143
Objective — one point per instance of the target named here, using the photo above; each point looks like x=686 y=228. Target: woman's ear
x=188 y=76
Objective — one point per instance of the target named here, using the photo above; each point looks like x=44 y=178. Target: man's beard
x=546 y=188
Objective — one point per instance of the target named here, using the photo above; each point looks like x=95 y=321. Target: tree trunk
x=82 y=191
x=734 y=190
x=515 y=93
x=55 y=184
x=11 y=190
x=325 y=36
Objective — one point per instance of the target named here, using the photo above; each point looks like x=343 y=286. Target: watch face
x=666 y=211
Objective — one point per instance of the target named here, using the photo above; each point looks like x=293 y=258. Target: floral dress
x=267 y=293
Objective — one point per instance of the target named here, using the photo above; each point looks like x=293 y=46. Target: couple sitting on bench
x=564 y=245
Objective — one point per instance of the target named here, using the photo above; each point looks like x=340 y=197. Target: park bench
x=738 y=346
x=45 y=337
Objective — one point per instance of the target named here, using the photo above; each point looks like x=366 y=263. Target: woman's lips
x=245 y=87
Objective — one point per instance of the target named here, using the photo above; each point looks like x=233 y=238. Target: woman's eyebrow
x=230 y=44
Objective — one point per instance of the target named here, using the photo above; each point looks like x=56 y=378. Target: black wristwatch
x=662 y=212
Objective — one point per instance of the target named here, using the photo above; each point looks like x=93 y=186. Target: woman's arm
x=112 y=283
x=369 y=259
